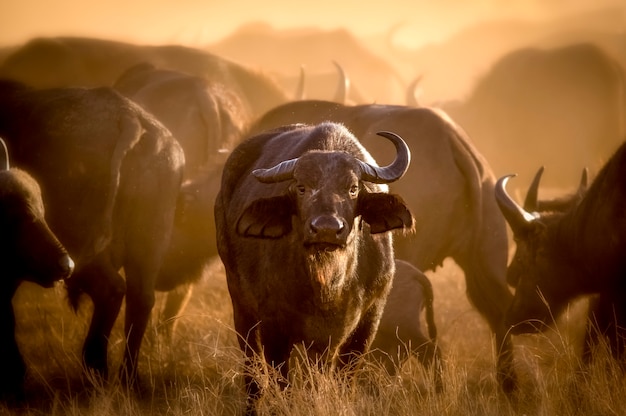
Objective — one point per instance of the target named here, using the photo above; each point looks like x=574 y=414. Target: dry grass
x=201 y=372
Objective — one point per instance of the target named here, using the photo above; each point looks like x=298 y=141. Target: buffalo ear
x=384 y=212
x=266 y=218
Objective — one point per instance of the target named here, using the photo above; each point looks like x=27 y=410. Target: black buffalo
x=110 y=175
x=303 y=225
x=577 y=251
x=400 y=334
x=449 y=189
x=29 y=251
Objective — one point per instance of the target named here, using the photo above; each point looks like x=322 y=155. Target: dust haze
x=455 y=48
x=196 y=22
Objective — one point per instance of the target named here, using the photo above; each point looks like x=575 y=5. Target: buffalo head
x=28 y=248
x=330 y=193
x=542 y=271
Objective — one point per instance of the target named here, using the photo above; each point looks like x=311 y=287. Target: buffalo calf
x=400 y=332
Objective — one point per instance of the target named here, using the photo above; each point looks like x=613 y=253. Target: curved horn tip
x=584 y=180
x=393 y=171
x=3 y=147
x=532 y=195
x=501 y=193
x=503 y=180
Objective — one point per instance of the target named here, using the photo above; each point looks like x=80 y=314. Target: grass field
x=200 y=373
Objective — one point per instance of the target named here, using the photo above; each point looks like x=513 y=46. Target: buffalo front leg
x=175 y=302
x=351 y=352
x=489 y=293
x=14 y=368
x=606 y=323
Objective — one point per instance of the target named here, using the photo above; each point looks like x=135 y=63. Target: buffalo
x=110 y=174
x=91 y=62
x=29 y=251
x=206 y=118
x=373 y=78
x=569 y=253
x=448 y=187
x=561 y=101
x=400 y=333
x=303 y=228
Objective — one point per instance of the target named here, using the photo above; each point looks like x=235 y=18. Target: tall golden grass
x=200 y=371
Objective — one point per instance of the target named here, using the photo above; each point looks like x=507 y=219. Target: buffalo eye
x=354 y=190
x=300 y=189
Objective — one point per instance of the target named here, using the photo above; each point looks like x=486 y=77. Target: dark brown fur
x=292 y=281
x=110 y=174
x=29 y=251
x=448 y=187
x=579 y=251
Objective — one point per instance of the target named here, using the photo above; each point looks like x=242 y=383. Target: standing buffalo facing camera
x=303 y=219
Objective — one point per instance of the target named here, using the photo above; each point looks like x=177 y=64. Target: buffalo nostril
x=327 y=224
x=67 y=265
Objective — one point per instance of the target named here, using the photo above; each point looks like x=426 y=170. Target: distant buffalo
x=206 y=118
x=91 y=62
x=303 y=220
x=29 y=251
x=564 y=108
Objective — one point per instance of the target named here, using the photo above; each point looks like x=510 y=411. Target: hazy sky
x=196 y=22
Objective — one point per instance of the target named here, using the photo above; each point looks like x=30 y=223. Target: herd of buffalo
x=126 y=169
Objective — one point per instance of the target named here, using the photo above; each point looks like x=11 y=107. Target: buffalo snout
x=327 y=230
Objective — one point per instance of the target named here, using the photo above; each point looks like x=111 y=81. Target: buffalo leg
x=249 y=338
x=607 y=319
x=359 y=342
x=429 y=357
x=140 y=298
x=14 y=368
x=106 y=289
x=489 y=293
x=175 y=303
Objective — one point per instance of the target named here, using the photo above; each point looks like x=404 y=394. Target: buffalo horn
x=301 y=84
x=4 y=161
x=343 y=87
x=530 y=203
x=396 y=169
x=516 y=216
x=279 y=173
x=413 y=91
x=584 y=183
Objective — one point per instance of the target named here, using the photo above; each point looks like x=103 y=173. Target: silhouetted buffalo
x=29 y=251
x=577 y=251
x=110 y=174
